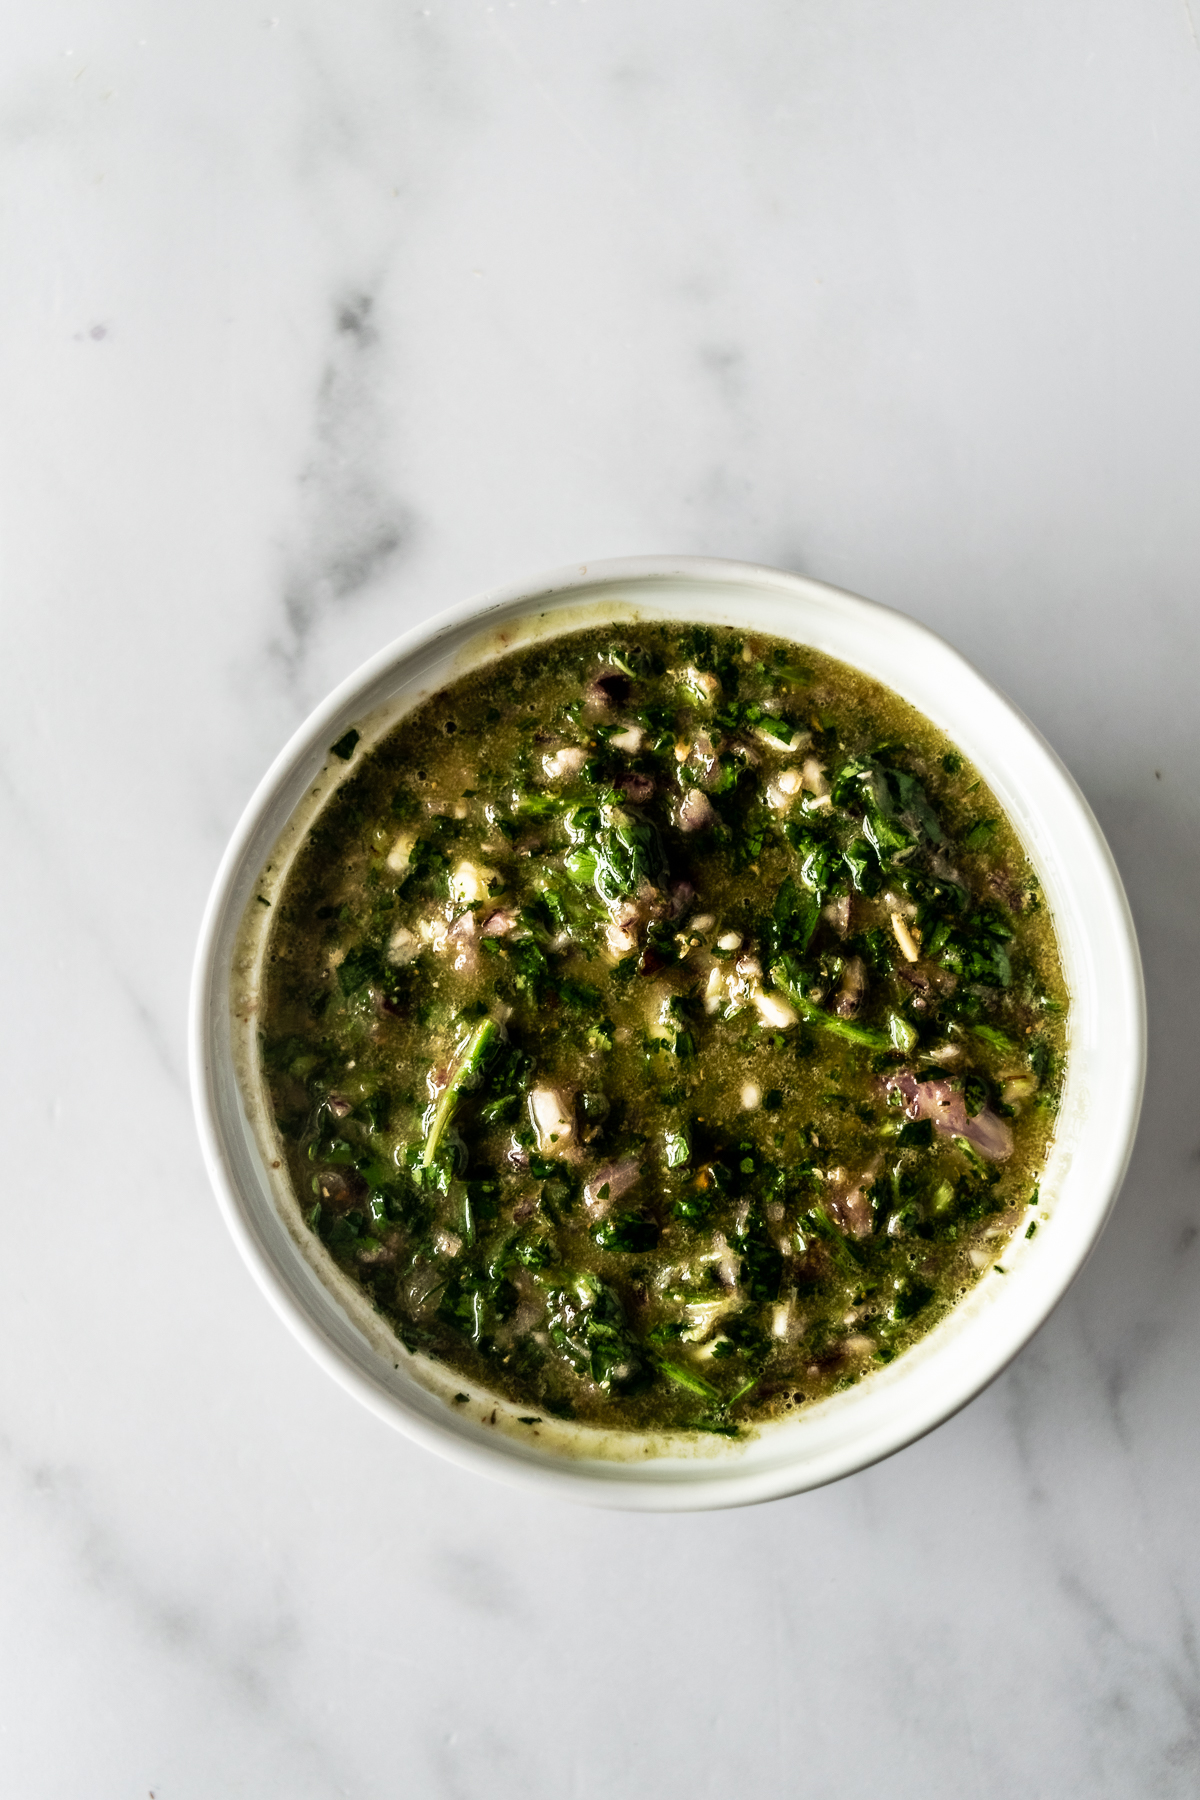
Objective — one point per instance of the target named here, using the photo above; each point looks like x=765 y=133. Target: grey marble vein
x=352 y=527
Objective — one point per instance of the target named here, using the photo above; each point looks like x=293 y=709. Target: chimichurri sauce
x=663 y=1027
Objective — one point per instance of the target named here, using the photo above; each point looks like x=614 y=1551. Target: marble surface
x=315 y=319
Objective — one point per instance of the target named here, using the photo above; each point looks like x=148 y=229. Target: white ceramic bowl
x=889 y=1408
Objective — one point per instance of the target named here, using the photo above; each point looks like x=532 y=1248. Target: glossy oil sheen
x=787 y=1229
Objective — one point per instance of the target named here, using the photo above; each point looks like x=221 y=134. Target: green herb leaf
x=345 y=746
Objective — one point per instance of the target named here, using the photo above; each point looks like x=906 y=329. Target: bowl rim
x=633 y=1485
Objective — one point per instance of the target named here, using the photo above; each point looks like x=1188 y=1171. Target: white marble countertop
x=317 y=319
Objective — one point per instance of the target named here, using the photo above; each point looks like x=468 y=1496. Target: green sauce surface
x=663 y=1027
